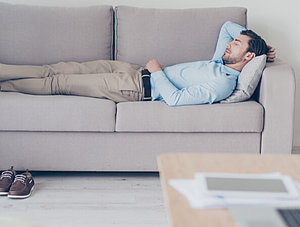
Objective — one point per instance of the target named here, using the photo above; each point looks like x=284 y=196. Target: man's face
x=236 y=50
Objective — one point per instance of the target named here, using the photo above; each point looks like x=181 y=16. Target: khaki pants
x=114 y=80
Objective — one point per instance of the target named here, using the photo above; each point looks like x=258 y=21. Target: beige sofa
x=70 y=133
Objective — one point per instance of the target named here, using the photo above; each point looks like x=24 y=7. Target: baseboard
x=296 y=150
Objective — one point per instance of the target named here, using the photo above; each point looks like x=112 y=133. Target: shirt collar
x=230 y=71
x=226 y=69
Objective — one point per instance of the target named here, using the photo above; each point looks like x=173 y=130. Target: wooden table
x=184 y=165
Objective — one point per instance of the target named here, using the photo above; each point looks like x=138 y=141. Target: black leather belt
x=146 y=84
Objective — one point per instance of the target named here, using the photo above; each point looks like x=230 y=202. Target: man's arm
x=198 y=94
x=228 y=32
x=194 y=95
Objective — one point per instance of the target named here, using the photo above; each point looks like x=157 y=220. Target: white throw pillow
x=248 y=80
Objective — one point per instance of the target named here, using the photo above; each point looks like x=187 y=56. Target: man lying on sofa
x=183 y=84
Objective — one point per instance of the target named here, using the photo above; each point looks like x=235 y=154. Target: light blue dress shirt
x=198 y=82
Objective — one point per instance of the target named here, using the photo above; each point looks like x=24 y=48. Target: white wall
x=275 y=20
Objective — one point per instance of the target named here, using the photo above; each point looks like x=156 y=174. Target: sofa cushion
x=22 y=112
x=43 y=35
x=159 y=117
x=170 y=35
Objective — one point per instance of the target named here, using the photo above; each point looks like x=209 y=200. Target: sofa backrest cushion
x=44 y=35
x=170 y=35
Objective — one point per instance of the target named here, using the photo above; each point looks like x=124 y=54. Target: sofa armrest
x=277 y=96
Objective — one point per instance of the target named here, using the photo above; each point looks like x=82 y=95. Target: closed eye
x=237 y=41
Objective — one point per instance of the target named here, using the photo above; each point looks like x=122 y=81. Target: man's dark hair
x=256 y=44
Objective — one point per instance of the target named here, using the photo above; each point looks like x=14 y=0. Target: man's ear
x=249 y=56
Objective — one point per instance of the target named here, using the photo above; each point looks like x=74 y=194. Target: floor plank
x=91 y=199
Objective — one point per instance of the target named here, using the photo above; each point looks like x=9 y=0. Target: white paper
x=188 y=188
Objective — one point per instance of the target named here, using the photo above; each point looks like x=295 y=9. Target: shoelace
x=7 y=174
x=20 y=178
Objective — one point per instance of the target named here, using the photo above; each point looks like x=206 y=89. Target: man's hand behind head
x=271 y=55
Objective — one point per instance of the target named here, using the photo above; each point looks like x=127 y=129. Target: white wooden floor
x=90 y=199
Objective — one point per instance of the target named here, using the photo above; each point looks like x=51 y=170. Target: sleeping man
x=199 y=82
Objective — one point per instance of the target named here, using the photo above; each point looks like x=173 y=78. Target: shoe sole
x=3 y=193
x=21 y=196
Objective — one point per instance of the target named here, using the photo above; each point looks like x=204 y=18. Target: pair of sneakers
x=14 y=185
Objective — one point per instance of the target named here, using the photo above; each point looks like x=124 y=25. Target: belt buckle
x=146 y=75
